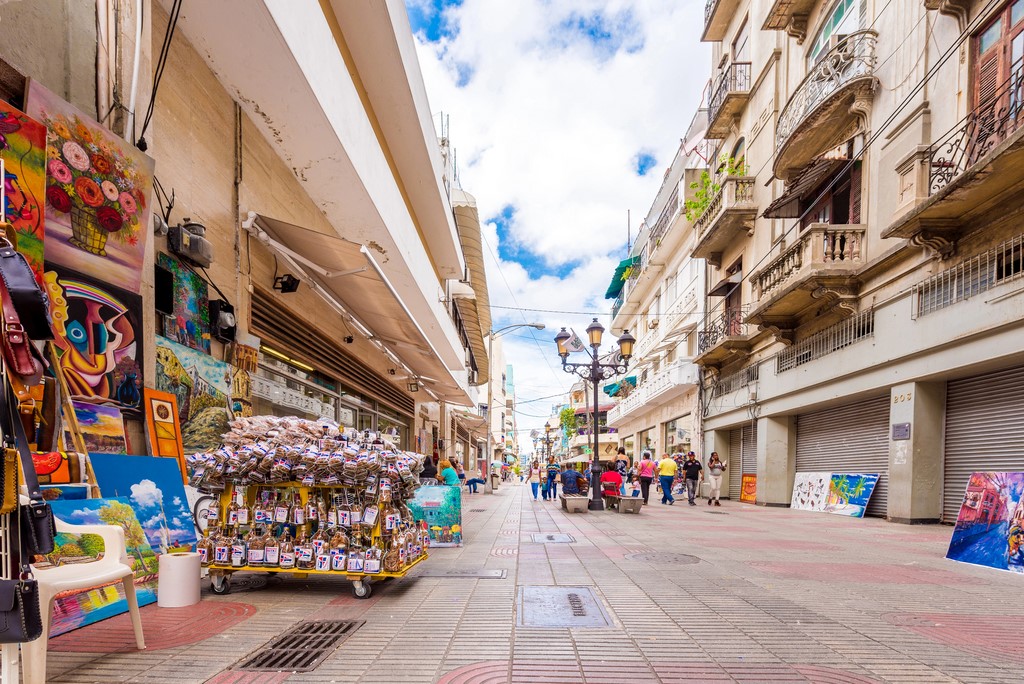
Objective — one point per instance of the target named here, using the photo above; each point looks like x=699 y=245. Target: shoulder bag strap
x=13 y=422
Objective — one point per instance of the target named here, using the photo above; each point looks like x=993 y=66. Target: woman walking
x=715 y=469
x=535 y=478
x=645 y=471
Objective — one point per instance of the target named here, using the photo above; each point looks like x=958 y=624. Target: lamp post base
x=595 y=505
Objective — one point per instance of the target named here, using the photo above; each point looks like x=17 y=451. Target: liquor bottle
x=272 y=550
x=261 y=513
x=257 y=547
x=332 y=514
x=238 y=549
x=205 y=547
x=336 y=549
x=392 y=558
x=222 y=549
x=298 y=511
x=371 y=563
x=281 y=510
x=232 y=514
x=287 y=549
x=321 y=513
x=313 y=509
x=392 y=519
x=213 y=514
x=244 y=512
x=319 y=541
x=304 y=553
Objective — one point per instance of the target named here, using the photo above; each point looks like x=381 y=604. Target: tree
x=92 y=544
x=122 y=515
x=569 y=421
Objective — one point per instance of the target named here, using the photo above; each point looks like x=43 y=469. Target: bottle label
x=372 y=565
x=204 y=556
x=221 y=554
x=332 y=518
x=370 y=515
x=311 y=513
x=355 y=564
x=305 y=553
x=300 y=516
x=272 y=555
x=212 y=514
x=338 y=559
x=256 y=556
x=281 y=514
x=391 y=521
x=323 y=562
x=356 y=515
x=238 y=554
x=261 y=516
x=243 y=516
x=232 y=517
x=318 y=546
x=287 y=559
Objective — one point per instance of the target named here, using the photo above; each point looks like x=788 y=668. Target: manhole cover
x=716 y=512
x=468 y=574
x=477 y=510
x=552 y=539
x=301 y=648
x=663 y=557
x=560 y=607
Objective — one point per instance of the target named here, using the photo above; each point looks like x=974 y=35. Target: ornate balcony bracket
x=938 y=242
x=797 y=27
x=782 y=330
x=840 y=299
x=958 y=9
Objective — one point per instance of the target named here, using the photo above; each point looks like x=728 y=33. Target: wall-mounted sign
x=900 y=431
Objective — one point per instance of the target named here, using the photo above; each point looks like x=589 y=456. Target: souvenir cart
x=305 y=497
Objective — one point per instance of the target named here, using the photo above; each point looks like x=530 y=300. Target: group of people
x=544 y=480
x=448 y=473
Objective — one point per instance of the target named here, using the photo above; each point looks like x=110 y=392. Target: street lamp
x=547 y=436
x=595 y=372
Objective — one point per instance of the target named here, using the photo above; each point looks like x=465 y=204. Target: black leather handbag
x=37 y=525
x=20 y=619
x=29 y=300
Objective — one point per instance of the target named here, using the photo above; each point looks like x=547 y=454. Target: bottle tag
x=232 y=517
x=203 y=556
x=391 y=521
x=345 y=518
x=355 y=563
x=281 y=514
x=318 y=546
x=221 y=554
x=272 y=554
x=261 y=516
x=300 y=516
x=372 y=565
x=256 y=556
x=332 y=518
x=357 y=516
x=323 y=562
x=243 y=516
x=338 y=559
x=237 y=554
x=305 y=553
x=212 y=514
x=287 y=559
x=370 y=515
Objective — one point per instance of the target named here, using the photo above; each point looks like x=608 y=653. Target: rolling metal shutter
x=748 y=460
x=984 y=420
x=735 y=457
x=848 y=439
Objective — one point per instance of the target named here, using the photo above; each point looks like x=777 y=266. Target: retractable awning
x=787 y=205
x=726 y=285
x=612 y=389
x=618 y=281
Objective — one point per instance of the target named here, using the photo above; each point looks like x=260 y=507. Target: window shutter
x=855 y=194
x=987 y=78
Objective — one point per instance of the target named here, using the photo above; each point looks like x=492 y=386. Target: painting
x=164 y=428
x=154 y=490
x=98 y=190
x=810 y=491
x=23 y=150
x=748 y=488
x=102 y=428
x=98 y=603
x=191 y=305
x=59 y=467
x=98 y=334
x=65 y=492
x=989 y=529
x=441 y=507
x=848 y=493
x=202 y=386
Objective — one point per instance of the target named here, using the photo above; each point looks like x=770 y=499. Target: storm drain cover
x=467 y=574
x=553 y=539
x=560 y=607
x=301 y=648
x=477 y=510
x=716 y=512
x=664 y=557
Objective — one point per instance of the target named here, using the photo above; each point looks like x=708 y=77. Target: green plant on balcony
x=707 y=188
x=627 y=273
x=567 y=419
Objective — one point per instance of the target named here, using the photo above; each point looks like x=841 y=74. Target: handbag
x=20 y=618
x=37 y=524
x=28 y=299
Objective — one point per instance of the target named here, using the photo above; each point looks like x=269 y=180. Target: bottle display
x=205 y=547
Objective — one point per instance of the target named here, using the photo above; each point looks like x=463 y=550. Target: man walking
x=552 y=492
x=692 y=469
x=666 y=474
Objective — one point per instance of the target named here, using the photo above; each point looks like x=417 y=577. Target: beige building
x=864 y=305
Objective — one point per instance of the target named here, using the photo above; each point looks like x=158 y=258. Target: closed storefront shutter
x=748 y=459
x=984 y=431
x=848 y=439
x=735 y=468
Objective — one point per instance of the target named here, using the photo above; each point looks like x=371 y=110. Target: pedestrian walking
x=535 y=478
x=693 y=470
x=715 y=469
x=552 y=492
x=645 y=471
x=666 y=474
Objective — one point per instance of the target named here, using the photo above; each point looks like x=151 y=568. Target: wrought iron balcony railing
x=735 y=78
x=729 y=324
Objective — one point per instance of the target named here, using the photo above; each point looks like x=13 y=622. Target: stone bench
x=574 y=503
x=624 y=504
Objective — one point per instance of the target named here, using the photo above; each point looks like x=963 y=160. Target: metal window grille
x=733 y=382
x=832 y=338
x=980 y=273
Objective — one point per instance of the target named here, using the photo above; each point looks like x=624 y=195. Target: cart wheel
x=361 y=590
x=220 y=584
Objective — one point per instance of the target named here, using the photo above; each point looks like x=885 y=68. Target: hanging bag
x=36 y=517
x=20 y=619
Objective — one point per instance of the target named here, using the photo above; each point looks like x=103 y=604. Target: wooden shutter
x=986 y=77
x=855 y=190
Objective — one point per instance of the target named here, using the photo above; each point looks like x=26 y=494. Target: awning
x=726 y=285
x=613 y=389
x=618 y=279
x=348 y=274
x=787 y=205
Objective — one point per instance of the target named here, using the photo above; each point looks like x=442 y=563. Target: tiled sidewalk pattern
x=774 y=596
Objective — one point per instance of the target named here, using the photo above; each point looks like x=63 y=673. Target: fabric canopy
x=787 y=205
x=618 y=281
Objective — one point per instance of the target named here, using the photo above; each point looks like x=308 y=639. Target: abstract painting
x=202 y=386
x=59 y=467
x=164 y=428
x=23 y=150
x=154 y=489
x=98 y=333
x=990 y=526
x=810 y=491
x=102 y=428
x=441 y=507
x=849 y=493
x=98 y=603
x=97 y=193
x=191 y=305
x=748 y=488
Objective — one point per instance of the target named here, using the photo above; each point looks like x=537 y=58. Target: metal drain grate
x=552 y=539
x=477 y=510
x=467 y=574
x=716 y=512
x=301 y=648
x=664 y=557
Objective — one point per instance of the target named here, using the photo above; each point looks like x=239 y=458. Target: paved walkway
x=731 y=594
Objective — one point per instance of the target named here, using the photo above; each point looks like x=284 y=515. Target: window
x=836 y=200
x=998 y=56
x=1008 y=264
x=739 y=154
x=844 y=17
x=741 y=46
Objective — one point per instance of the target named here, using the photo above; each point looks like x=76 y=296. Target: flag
x=574 y=343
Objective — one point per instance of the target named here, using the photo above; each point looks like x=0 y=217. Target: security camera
x=349 y=339
x=391 y=371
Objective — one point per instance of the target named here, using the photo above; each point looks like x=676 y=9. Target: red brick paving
x=164 y=628
x=989 y=636
x=770 y=544
x=865 y=573
x=232 y=677
x=478 y=673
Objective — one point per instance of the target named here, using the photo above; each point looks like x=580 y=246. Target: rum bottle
x=304 y=553
x=238 y=549
x=271 y=550
x=257 y=547
x=205 y=547
x=221 y=548
x=287 y=549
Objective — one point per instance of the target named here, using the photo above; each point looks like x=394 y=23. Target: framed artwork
x=102 y=428
x=98 y=189
x=191 y=305
x=23 y=150
x=849 y=493
x=810 y=491
x=59 y=467
x=748 y=488
x=202 y=386
x=989 y=528
x=98 y=334
x=441 y=507
x=164 y=428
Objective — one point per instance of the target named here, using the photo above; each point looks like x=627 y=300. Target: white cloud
x=156 y=521
x=176 y=501
x=176 y=521
x=147 y=494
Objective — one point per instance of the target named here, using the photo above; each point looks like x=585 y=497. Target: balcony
x=728 y=99
x=789 y=16
x=829 y=105
x=979 y=164
x=724 y=338
x=717 y=15
x=730 y=213
x=814 y=277
x=659 y=388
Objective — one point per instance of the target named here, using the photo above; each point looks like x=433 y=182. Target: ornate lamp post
x=595 y=372
x=547 y=436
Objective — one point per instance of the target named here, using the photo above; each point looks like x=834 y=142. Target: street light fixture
x=547 y=436
x=595 y=372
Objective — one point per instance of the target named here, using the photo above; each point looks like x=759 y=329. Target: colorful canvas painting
x=102 y=428
x=849 y=493
x=201 y=385
x=441 y=507
x=191 y=305
x=154 y=489
x=810 y=491
x=59 y=467
x=65 y=492
x=86 y=607
x=23 y=150
x=748 y=488
x=990 y=526
x=164 y=428
x=98 y=334
x=98 y=190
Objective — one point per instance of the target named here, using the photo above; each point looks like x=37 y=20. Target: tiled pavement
x=773 y=596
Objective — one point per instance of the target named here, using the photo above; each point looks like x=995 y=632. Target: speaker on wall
x=163 y=283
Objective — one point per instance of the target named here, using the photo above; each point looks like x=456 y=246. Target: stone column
x=917 y=414
x=776 y=460
x=715 y=440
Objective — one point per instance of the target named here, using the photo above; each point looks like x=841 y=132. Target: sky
x=564 y=116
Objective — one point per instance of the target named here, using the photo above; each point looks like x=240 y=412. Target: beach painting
x=849 y=493
x=989 y=528
x=98 y=603
x=202 y=386
x=441 y=507
x=810 y=491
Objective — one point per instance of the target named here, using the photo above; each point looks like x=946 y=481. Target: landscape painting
x=810 y=491
x=102 y=428
x=23 y=150
x=191 y=305
x=101 y=602
x=202 y=385
x=989 y=529
x=441 y=507
x=849 y=493
x=97 y=193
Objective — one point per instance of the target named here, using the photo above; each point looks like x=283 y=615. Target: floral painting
x=191 y=305
x=202 y=385
x=97 y=193
x=23 y=150
x=98 y=334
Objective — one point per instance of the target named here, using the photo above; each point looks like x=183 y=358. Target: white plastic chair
x=114 y=566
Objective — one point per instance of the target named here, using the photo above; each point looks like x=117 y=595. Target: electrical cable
x=165 y=49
